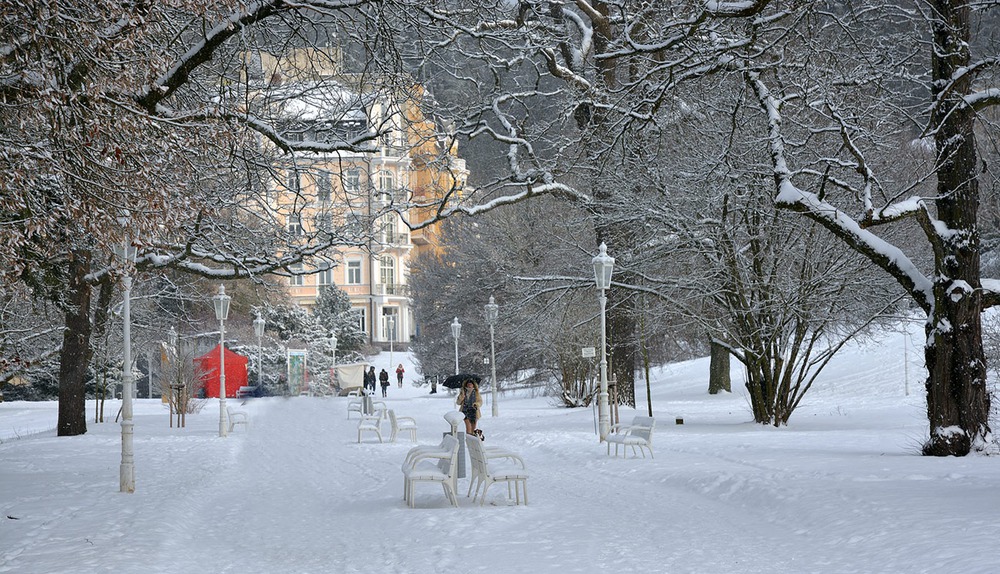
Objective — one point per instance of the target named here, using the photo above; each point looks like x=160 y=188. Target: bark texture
x=75 y=355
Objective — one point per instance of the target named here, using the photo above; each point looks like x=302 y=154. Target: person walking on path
x=383 y=378
x=370 y=380
x=399 y=375
x=469 y=400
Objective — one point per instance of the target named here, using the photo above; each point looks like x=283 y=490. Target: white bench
x=638 y=434
x=402 y=424
x=485 y=473
x=237 y=418
x=433 y=466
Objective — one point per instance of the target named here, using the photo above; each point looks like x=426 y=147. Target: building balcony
x=391 y=289
x=396 y=238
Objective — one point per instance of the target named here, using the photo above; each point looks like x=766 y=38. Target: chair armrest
x=506 y=455
x=441 y=454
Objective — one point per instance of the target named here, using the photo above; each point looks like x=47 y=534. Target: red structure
x=236 y=372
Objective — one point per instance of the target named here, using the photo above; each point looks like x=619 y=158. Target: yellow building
x=360 y=196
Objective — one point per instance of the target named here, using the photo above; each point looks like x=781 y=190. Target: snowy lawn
x=841 y=490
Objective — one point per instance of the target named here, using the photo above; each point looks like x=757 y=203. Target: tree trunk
x=623 y=354
x=75 y=354
x=958 y=403
x=718 y=370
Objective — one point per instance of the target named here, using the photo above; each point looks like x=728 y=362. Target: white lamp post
x=456 y=331
x=221 y=302
x=333 y=348
x=603 y=266
x=390 y=324
x=492 y=309
x=126 y=472
x=258 y=329
x=172 y=349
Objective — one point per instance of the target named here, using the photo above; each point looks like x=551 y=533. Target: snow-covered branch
x=887 y=256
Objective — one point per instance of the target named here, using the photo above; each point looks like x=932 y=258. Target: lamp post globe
x=221 y=303
x=456 y=332
x=492 y=310
x=603 y=266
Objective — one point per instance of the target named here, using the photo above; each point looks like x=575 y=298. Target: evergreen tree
x=333 y=311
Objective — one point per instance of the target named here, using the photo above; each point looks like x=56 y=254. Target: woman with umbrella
x=469 y=400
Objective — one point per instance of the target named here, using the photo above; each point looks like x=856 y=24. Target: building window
x=387 y=274
x=323 y=187
x=386 y=183
x=295 y=224
x=324 y=222
x=389 y=228
x=352 y=181
x=360 y=313
x=354 y=272
x=325 y=275
x=293 y=181
x=297 y=279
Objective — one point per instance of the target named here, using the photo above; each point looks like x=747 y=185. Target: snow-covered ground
x=841 y=490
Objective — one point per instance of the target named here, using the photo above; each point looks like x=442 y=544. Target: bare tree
x=843 y=90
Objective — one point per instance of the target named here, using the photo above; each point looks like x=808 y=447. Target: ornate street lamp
x=492 y=309
x=126 y=471
x=221 y=302
x=456 y=331
x=258 y=329
x=603 y=266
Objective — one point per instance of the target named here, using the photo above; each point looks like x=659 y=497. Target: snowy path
x=347 y=511
x=841 y=490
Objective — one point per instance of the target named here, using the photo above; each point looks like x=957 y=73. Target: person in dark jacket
x=383 y=378
x=370 y=380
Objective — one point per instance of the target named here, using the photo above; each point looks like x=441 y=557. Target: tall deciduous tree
x=844 y=91
x=146 y=113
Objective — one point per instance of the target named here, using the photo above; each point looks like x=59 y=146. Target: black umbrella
x=456 y=381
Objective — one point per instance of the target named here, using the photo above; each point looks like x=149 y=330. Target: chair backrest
x=449 y=466
x=477 y=453
x=647 y=424
x=392 y=417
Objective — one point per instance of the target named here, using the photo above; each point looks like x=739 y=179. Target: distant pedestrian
x=370 y=380
x=399 y=375
x=383 y=378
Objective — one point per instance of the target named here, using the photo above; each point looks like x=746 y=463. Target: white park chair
x=402 y=424
x=433 y=466
x=371 y=423
x=501 y=466
x=237 y=418
x=356 y=404
x=639 y=435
